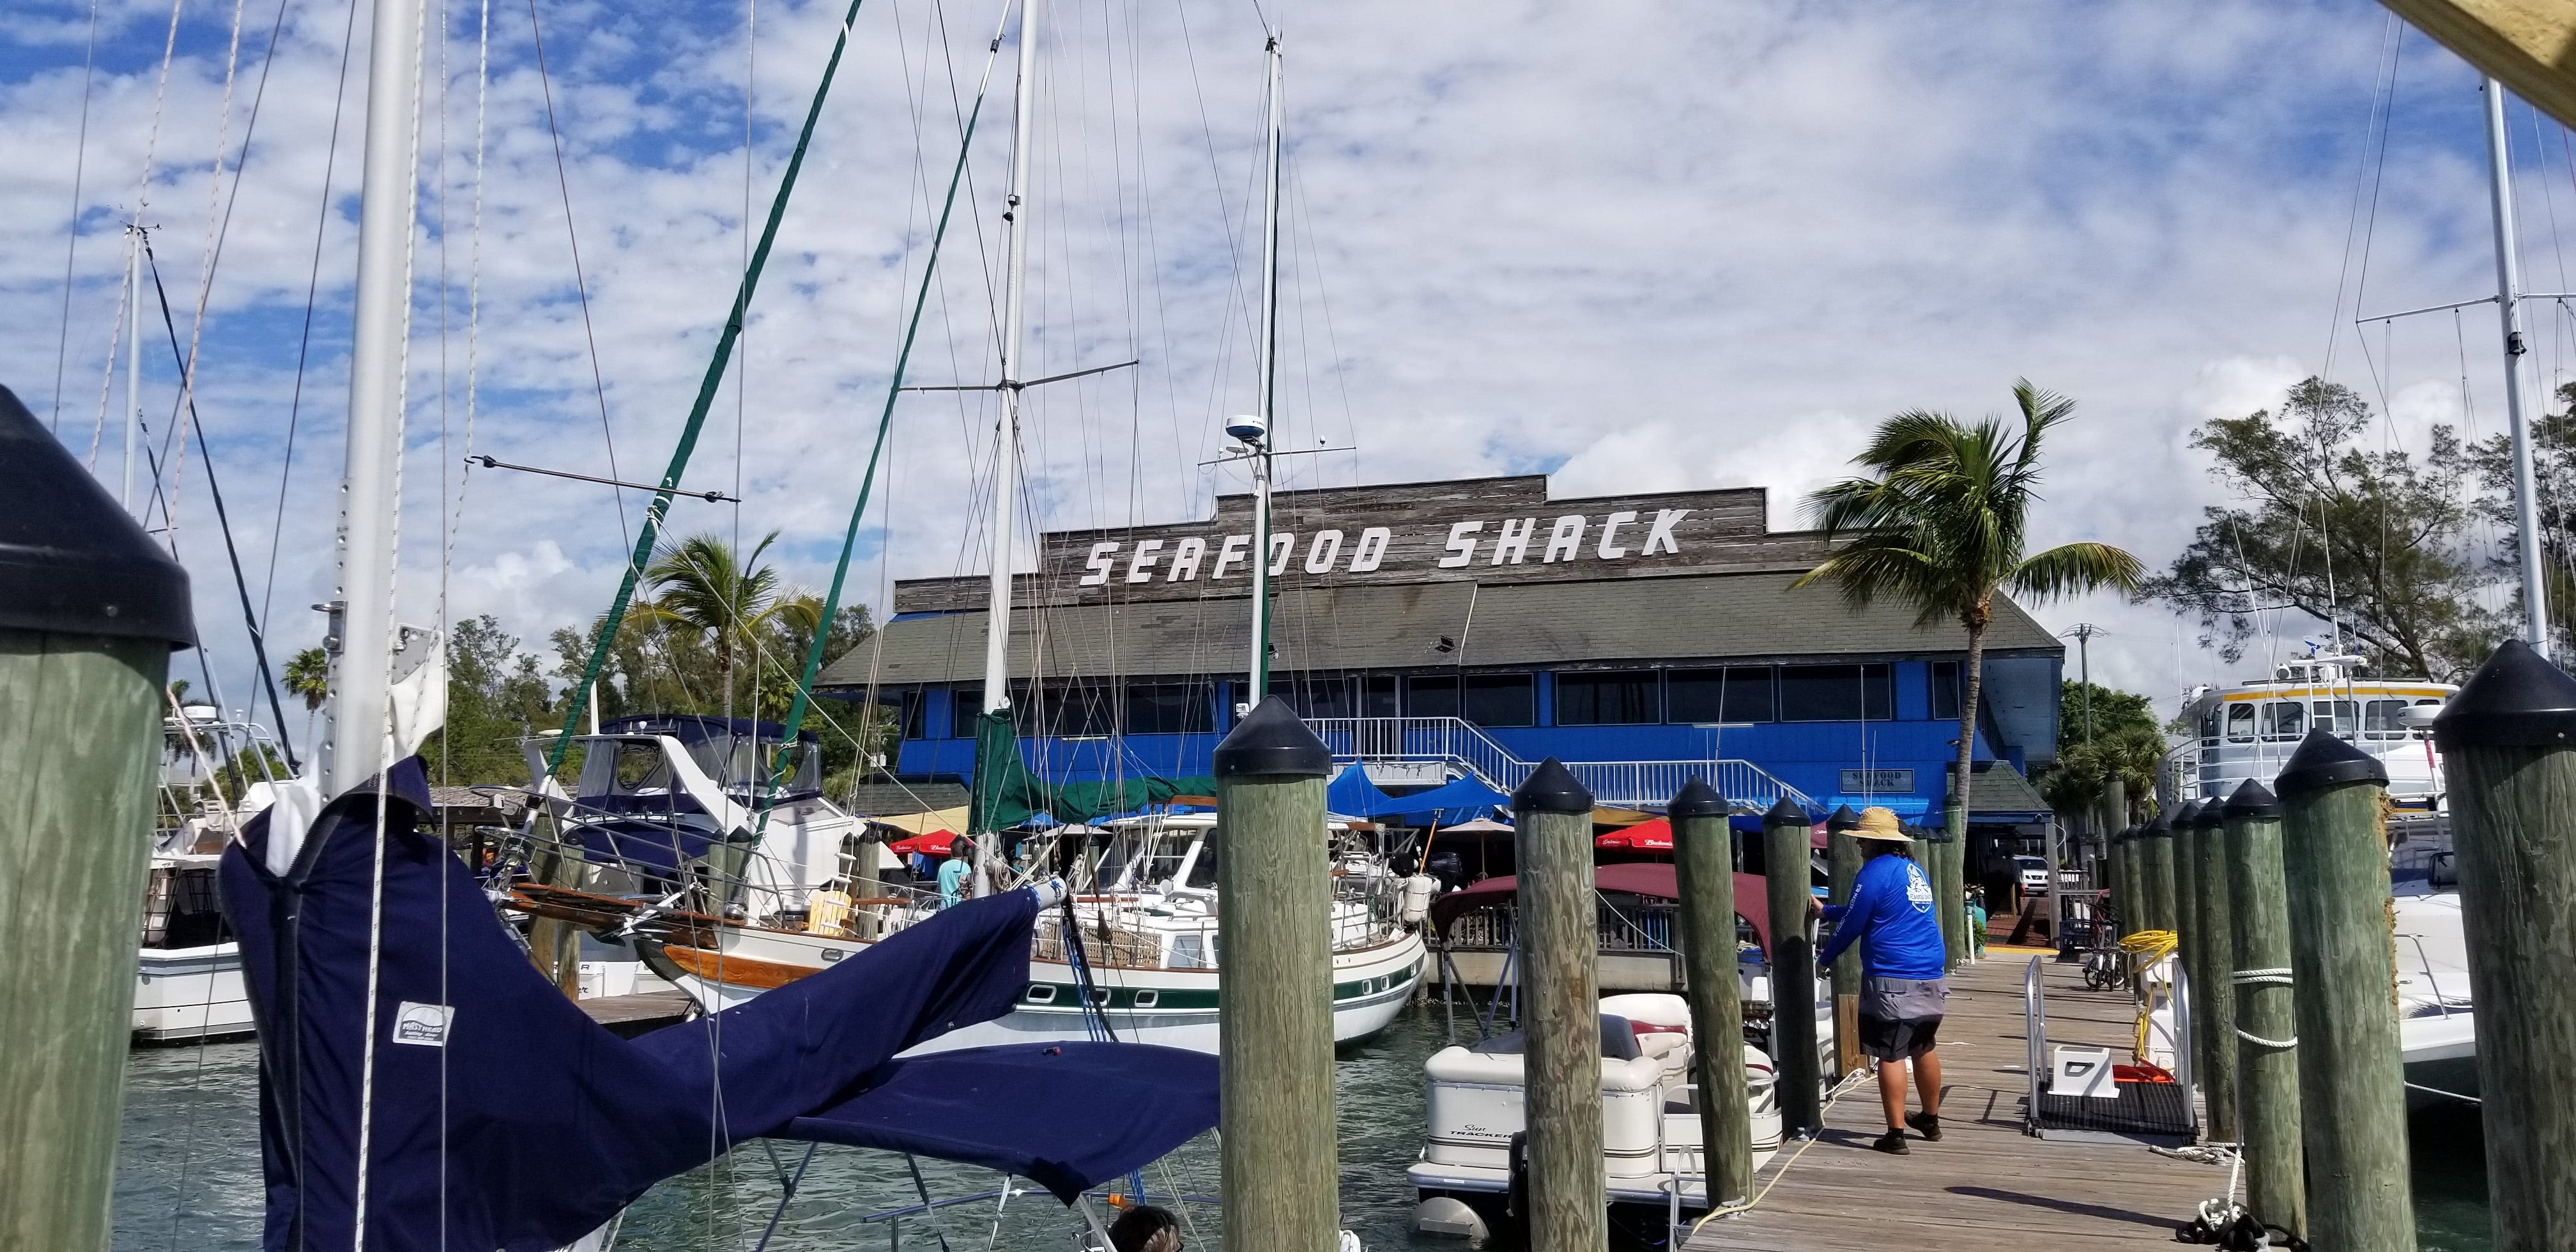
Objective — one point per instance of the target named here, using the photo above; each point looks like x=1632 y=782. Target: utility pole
x=2083 y=633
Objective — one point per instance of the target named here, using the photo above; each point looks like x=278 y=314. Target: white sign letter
x=1609 y=531
x=1326 y=549
x=1136 y=571
x=1372 y=550
x=1462 y=544
x=1103 y=556
x=1566 y=539
x=1185 y=560
x=1514 y=542
x=1662 y=534
x=1230 y=553
x=1280 y=547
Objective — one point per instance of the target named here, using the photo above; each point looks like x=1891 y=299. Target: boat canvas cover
x=500 y=1116
x=1351 y=794
x=1006 y=793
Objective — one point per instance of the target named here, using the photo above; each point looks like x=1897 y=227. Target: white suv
x=2033 y=872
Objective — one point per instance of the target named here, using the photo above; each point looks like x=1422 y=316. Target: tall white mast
x=2526 y=512
x=133 y=359
x=1006 y=435
x=1267 y=399
x=362 y=621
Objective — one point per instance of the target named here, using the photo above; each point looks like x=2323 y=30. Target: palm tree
x=1939 y=522
x=698 y=585
x=308 y=675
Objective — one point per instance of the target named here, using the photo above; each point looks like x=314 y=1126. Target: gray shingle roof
x=1685 y=617
x=1995 y=787
x=900 y=799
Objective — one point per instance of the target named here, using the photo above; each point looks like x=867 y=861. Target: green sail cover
x=1007 y=794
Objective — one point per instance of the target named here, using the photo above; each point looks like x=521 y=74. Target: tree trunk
x=1949 y=873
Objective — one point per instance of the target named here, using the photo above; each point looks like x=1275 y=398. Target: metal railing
x=1461 y=743
x=1643 y=928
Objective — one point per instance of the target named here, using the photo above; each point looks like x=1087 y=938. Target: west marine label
x=423 y=1024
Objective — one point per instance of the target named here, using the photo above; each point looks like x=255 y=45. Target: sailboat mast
x=362 y=617
x=1258 y=672
x=133 y=360
x=2526 y=511
x=1006 y=435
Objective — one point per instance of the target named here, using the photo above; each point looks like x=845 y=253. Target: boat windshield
x=1203 y=870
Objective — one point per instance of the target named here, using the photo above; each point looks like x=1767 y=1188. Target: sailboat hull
x=183 y=995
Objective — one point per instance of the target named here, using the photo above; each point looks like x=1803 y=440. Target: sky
x=1638 y=247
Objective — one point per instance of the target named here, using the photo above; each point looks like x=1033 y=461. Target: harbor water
x=188 y=1172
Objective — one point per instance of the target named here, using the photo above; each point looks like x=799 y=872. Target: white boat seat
x=1618 y=1041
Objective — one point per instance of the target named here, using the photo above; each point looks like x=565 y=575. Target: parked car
x=2033 y=873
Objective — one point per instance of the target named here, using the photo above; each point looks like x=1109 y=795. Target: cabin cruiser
x=1650 y=1121
x=2248 y=730
x=681 y=869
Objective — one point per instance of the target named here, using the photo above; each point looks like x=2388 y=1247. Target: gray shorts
x=1900 y=1017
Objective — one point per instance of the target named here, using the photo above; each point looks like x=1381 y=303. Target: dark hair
x=1137 y=1228
x=961 y=848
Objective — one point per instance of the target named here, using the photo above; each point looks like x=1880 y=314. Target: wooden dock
x=1986 y=1184
x=629 y=1016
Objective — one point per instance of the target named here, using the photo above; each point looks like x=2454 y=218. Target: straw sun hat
x=1879 y=823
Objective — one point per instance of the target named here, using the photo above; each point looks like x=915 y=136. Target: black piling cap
x=2516 y=700
x=2124 y=834
x=72 y=562
x=2210 y=814
x=1785 y=813
x=1843 y=819
x=1272 y=740
x=2252 y=799
x=2158 y=827
x=1551 y=788
x=1696 y=799
x=2187 y=816
x=2324 y=761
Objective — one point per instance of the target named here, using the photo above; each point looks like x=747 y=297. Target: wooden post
x=2123 y=878
x=1704 y=863
x=1789 y=877
x=1843 y=859
x=1561 y=1062
x=2115 y=825
x=89 y=610
x=2266 y=1021
x=2156 y=875
x=2213 y=997
x=2508 y=743
x=2186 y=957
x=2352 y=1093
x=1275 y=987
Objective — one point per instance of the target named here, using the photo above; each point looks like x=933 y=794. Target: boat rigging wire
x=491 y=462
x=71 y=242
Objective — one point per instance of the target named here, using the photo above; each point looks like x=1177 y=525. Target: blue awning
x=1351 y=794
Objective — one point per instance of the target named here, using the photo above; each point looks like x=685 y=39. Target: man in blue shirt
x=953 y=872
x=1902 y=963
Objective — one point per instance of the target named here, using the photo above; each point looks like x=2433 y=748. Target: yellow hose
x=2145 y=948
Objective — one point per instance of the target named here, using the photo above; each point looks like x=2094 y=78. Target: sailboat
x=1134 y=953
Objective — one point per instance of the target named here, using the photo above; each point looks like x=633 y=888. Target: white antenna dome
x=1247 y=427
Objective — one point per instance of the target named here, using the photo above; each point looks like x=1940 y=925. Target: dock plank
x=1986 y=1184
x=632 y=1015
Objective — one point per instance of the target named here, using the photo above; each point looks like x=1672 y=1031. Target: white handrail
x=1456 y=741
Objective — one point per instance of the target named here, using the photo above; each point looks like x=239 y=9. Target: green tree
x=2126 y=743
x=495 y=698
x=1940 y=521
x=698 y=586
x=2553 y=454
x=2373 y=540
x=308 y=676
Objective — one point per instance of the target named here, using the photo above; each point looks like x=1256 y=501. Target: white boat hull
x=182 y=995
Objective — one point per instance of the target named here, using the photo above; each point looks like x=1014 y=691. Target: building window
x=1066 y=710
x=1168 y=709
x=1836 y=693
x=1314 y=695
x=1737 y=693
x=1431 y=695
x=1608 y=698
x=965 y=704
x=1946 y=691
x=912 y=713
x=1378 y=696
x=1501 y=700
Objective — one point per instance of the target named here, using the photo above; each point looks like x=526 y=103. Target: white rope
x=393 y=647
x=2263 y=978
x=107 y=376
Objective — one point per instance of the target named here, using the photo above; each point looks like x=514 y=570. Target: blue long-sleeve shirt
x=1891 y=905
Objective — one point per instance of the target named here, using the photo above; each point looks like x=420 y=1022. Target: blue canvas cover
x=503 y=1117
x=1108 y=1108
x=1351 y=794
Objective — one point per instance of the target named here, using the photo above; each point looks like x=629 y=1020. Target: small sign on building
x=1873 y=782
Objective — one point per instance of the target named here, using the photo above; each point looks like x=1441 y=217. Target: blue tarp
x=501 y=1116
x=1351 y=794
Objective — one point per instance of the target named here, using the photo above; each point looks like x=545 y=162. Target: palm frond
x=2075 y=568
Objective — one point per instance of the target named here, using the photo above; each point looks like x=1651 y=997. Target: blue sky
x=1640 y=246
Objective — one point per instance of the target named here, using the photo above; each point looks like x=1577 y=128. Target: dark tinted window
x=1315 y=695
x=1431 y=695
x=1377 y=696
x=1607 y=698
x=1078 y=710
x=1169 y=709
x=1737 y=693
x=912 y=713
x=965 y=704
x=1945 y=691
x=1501 y=700
x=1836 y=693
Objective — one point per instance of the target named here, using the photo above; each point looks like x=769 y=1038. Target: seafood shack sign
x=1486 y=530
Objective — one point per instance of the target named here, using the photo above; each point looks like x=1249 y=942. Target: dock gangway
x=1466 y=749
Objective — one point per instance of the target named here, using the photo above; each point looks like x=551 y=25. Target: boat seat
x=1618 y=1042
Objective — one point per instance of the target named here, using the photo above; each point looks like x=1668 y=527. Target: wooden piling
x=1843 y=859
x=2352 y=1095
x=1948 y=864
x=2156 y=875
x=1789 y=877
x=2267 y=1023
x=89 y=610
x=1704 y=864
x=2186 y=902
x=1277 y=1152
x=2213 y=1002
x=2122 y=859
x=2508 y=743
x=1561 y=1062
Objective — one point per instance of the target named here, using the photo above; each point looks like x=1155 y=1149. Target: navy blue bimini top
x=1891 y=904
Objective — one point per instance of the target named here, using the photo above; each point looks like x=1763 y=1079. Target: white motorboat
x=2436 y=1031
x=1650 y=1120
x=188 y=979
x=2248 y=730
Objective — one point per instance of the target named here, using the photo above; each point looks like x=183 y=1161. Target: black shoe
x=1891 y=1143
x=1927 y=1125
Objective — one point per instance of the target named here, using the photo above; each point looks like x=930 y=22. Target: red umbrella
x=1647 y=836
x=936 y=843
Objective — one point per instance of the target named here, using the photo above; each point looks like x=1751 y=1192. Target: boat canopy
x=1654 y=880
x=1351 y=794
x=497 y=1114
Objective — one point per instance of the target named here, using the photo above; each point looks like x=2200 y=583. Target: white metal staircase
x=1466 y=747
